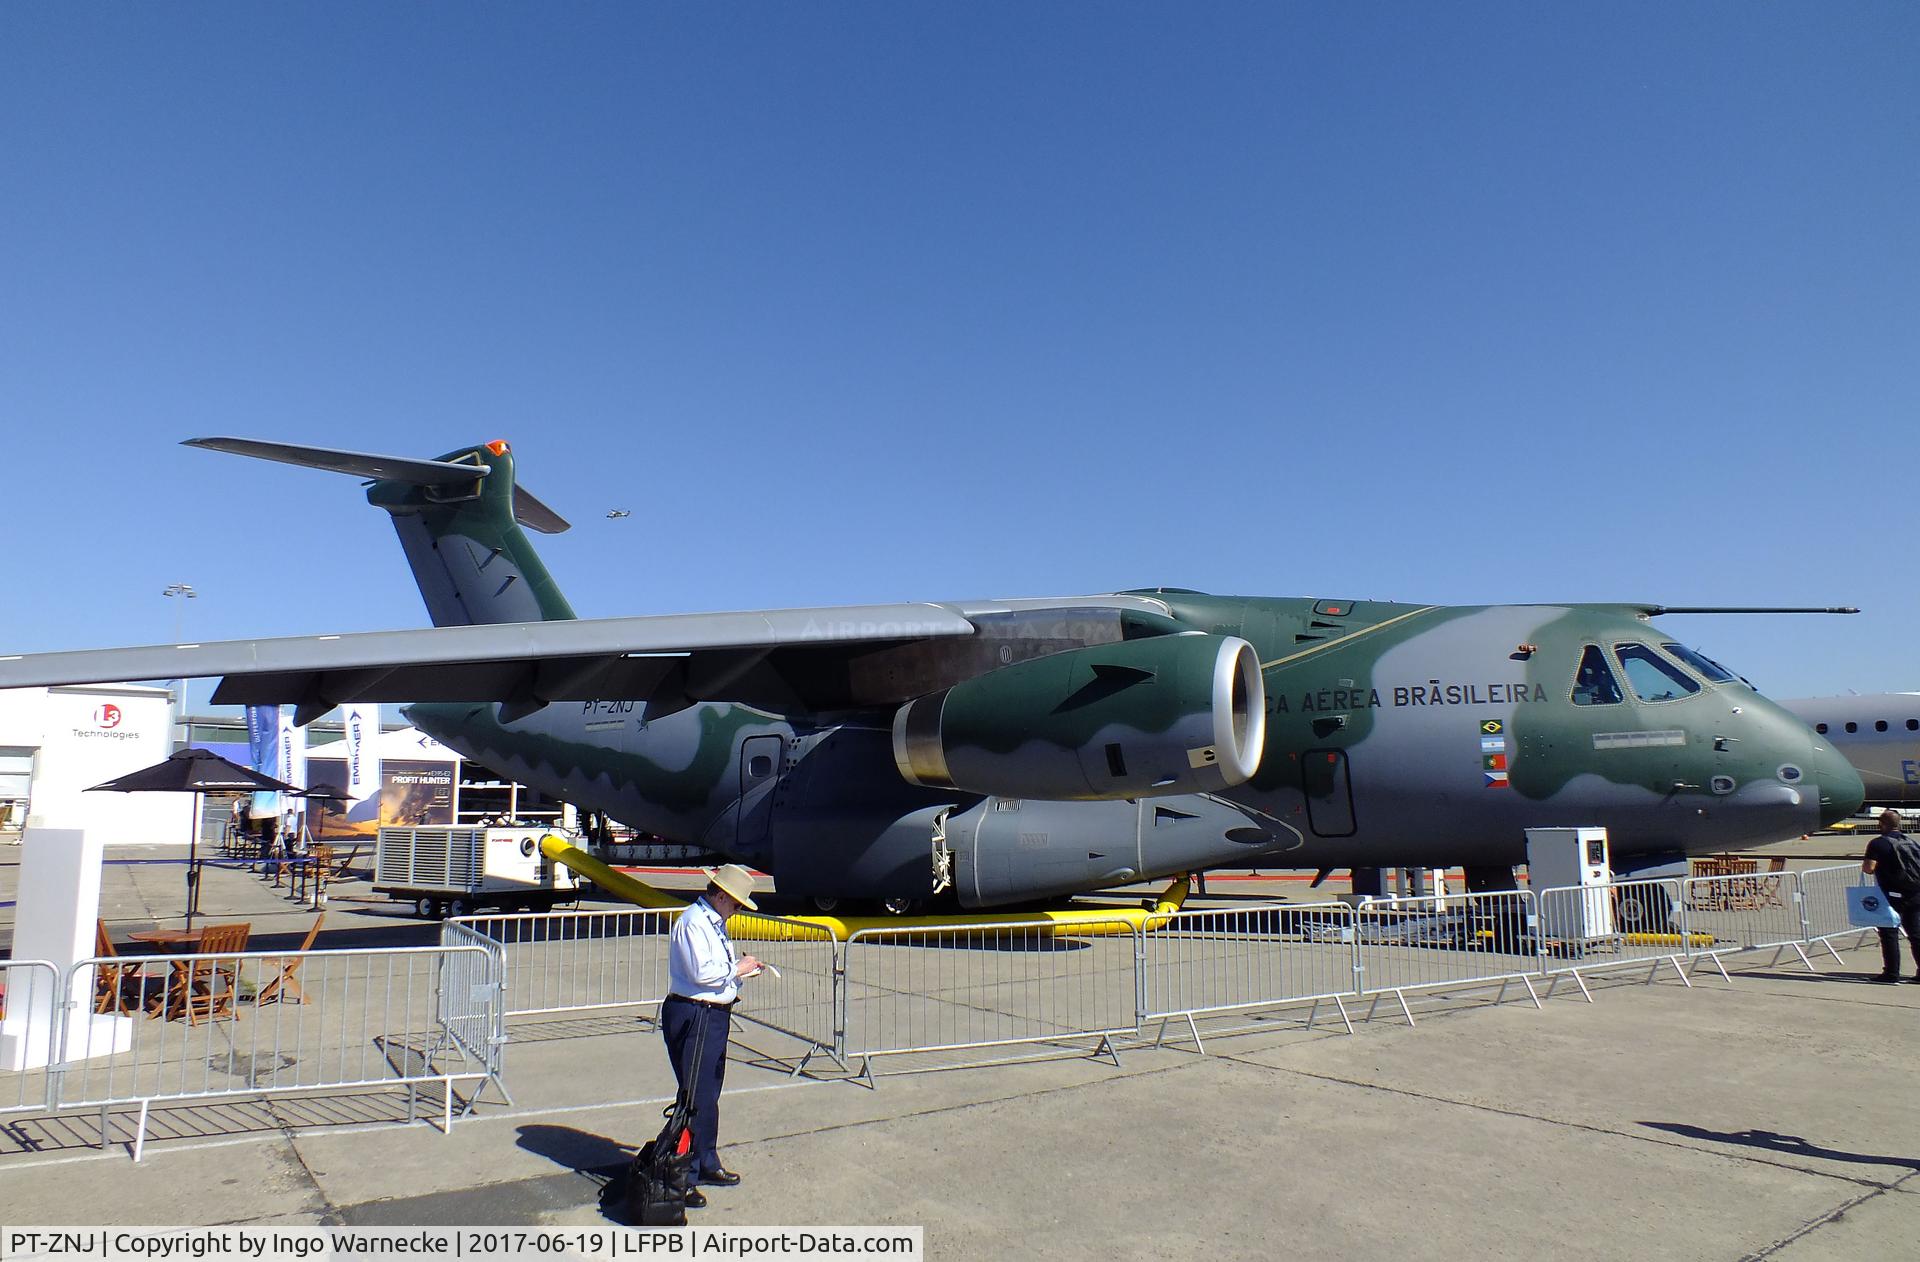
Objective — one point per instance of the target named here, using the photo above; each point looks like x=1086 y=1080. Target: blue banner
x=263 y=747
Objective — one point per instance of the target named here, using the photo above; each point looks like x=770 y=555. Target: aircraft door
x=1329 y=792
x=760 y=758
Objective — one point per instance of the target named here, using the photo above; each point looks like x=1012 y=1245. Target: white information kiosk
x=59 y=903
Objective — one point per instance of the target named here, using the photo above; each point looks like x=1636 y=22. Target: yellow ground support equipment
x=1083 y=921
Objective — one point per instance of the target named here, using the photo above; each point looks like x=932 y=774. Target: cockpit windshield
x=1712 y=671
x=1595 y=684
x=1652 y=677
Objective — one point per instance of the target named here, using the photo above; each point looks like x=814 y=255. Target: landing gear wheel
x=825 y=903
x=900 y=906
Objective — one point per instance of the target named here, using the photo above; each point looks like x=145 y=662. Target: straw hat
x=735 y=882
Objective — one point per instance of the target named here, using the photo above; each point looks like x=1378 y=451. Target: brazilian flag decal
x=1492 y=727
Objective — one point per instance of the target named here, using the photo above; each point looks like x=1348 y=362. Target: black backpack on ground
x=653 y=1191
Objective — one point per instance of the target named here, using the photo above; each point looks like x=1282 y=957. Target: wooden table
x=171 y=942
x=169 y=937
x=1756 y=889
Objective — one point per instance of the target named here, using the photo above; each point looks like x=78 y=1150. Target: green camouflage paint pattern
x=487 y=519
x=1061 y=699
x=708 y=736
x=1548 y=744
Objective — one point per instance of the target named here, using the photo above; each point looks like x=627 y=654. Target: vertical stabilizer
x=459 y=520
x=469 y=555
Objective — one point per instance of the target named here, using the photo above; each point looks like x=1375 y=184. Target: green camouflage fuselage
x=1395 y=735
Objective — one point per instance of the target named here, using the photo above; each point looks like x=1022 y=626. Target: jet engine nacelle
x=1139 y=718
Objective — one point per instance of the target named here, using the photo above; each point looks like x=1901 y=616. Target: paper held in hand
x=764 y=968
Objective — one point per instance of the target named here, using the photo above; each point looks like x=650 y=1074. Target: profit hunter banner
x=416 y=792
x=410 y=793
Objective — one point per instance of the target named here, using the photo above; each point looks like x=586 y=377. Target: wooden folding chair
x=203 y=989
x=111 y=981
x=285 y=986
x=1768 y=886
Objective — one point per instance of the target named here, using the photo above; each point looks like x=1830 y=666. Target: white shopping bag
x=1867 y=908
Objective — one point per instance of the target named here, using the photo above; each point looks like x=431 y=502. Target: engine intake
x=1140 y=718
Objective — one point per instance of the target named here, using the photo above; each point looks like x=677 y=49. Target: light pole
x=178 y=687
x=176 y=701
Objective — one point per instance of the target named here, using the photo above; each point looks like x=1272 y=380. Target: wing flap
x=489 y=649
x=548 y=679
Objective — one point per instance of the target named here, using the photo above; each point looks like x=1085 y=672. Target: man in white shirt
x=703 y=982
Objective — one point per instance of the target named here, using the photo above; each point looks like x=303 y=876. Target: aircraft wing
x=782 y=658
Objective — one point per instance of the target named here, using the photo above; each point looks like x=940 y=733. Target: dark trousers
x=680 y=1021
x=1907 y=907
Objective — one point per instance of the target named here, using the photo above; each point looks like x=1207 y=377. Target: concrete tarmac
x=1768 y=1117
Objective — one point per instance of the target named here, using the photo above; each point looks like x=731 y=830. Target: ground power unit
x=1577 y=862
x=455 y=869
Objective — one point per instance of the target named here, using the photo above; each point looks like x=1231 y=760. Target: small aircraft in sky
x=996 y=751
x=616 y=513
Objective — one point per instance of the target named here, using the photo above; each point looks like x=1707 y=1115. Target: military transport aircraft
x=1003 y=750
x=1879 y=733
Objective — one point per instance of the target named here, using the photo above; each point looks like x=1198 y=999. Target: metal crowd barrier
x=1213 y=963
x=1748 y=912
x=471 y=1003
x=577 y=960
x=209 y=1026
x=891 y=992
x=1823 y=906
x=1624 y=924
x=585 y=960
x=940 y=989
x=802 y=1002
x=1441 y=941
x=29 y=1045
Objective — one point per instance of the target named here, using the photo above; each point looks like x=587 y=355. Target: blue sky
x=857 y=302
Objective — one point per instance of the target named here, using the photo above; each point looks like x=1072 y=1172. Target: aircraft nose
x=1841 y=791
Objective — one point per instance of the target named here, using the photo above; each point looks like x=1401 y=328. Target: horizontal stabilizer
x=534 y=515
x=527 y=510
x=361 y=464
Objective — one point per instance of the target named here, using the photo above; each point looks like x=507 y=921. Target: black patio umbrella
x=194 y=771
x=331 y=798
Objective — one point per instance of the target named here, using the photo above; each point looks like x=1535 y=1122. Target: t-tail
x=458 y=519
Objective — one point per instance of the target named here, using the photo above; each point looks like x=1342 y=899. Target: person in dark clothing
x=1893 y=860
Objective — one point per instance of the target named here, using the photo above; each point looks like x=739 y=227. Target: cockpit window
x=1595 y=684
x=1712 y=671
x=1651 y=676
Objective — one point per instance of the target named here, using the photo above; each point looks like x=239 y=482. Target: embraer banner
x=293 y=756
x=363 y=751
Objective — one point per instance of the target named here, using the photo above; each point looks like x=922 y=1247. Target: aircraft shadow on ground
x=1785 y=1145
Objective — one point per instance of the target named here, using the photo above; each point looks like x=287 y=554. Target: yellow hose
x=1085 y=921
x=1668 y=939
